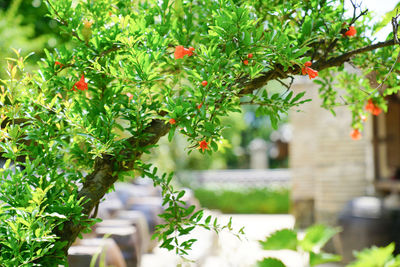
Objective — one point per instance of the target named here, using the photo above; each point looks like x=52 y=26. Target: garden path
x=225 y=250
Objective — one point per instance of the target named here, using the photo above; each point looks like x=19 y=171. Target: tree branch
x=339 y=60
x=277 y=72
x=97 y=183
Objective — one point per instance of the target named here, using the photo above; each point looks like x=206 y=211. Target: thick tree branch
x=98 y=182
x=277 y=72
x=339 y=60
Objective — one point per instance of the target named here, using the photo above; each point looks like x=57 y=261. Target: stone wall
x=328 y=167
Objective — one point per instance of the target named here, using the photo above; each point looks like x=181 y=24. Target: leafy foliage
x=376 y=256
x=26 y=232
x=106 y=97
x=315 y=238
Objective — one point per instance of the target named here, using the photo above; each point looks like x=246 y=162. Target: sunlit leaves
x=315 y=238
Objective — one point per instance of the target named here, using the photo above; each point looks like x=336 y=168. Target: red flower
x=180 y=51
x=250 y=55
x=376 y=111
x=355 y=134
x=308 y=64
x=351 y=31
x=307 y=70
x=81 y=84
x=371 y=107
x=172 y=121
x=245 y=62
x=311 y=73
x=59 y=64
x=199 y=105
x=203 y=145
x=204 y=83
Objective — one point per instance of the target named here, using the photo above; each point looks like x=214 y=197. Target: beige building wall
x=328 y=167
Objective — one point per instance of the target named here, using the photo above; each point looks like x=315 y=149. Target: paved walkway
x=225 y=250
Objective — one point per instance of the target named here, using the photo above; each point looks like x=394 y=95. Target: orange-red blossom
x=181 y=51
x=81 y=84
x=371 y=107
x=355 y=134
x=59 y=64
x=307 y=70
x=351 y=31
x=203 y=145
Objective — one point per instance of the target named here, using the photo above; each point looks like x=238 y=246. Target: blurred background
x=307 y=171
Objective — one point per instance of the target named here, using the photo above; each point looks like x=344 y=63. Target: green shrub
x=133 y=72
x=309 y=246
x=249 y=200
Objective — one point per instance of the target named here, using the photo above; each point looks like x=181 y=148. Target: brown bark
x=98 y=182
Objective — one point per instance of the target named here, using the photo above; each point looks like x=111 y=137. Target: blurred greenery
x=241 y=129
x=24 y=26
x=244 y=201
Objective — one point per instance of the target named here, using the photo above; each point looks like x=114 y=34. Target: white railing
x=240 y=177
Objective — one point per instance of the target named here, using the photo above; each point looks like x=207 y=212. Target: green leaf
x=307 y=27
x=270 y=262
x=320 y=258
x=189 y=210
x=180 y=194
x=297 y=97
x=317 y=236
x=171 y=134
x=282 y=239
x=374 y=256
x=274 y=121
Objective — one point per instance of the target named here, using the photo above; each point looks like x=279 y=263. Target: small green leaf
x=317 y=236
x=282 y=239
x=208 y=219
x=270 y=262
x=320 y=258
x=171 y=134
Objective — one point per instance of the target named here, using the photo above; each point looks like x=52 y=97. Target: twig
x=64 y=22
x=355 y=7
x=395 y=26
